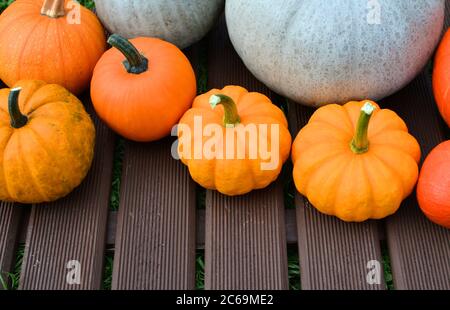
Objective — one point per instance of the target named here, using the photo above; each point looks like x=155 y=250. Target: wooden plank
x=72 y=229
x=10 y=220
x=155 y=238
x=420 y=250
x=245 y=246
x=291 y=228
x=290 y=223
x=333 y=254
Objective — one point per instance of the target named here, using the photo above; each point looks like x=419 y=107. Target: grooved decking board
x=10 y=219
x=10 y=216
x=155 y=238
x=333 y=254
x=245 y=246
x=73 y=228
x=419 y=249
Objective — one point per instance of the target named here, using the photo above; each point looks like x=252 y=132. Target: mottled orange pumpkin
x=259 y=141
x=46 y=142
x=352 y=168
x=57 y=41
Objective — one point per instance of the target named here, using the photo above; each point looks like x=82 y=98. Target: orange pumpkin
x=433 y=188
x=46 y=142
x=50 y=40
x=234 y=141
x=441 y=78
x=351 y=169
x=142 y=87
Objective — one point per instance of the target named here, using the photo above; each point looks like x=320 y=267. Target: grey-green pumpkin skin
x=181 y=22
x=317 y=52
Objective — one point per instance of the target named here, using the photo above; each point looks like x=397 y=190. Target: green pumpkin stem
x=231 y=117
x=360 y=142
x=18 y=120
x=53 y=8
x=135 y=63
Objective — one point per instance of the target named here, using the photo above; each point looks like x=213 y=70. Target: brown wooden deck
x=157 y=229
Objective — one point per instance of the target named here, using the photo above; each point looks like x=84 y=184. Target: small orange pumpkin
x=354 y=170
x=47 y=151
x=234 y=141
x=41 y=39
x=441 y=78
x=433 y=188
x=142 y=87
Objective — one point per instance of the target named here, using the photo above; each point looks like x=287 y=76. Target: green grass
x=4 y=4
x=200 y=270
x=202 y=69
x=117 y=174
x=108 y=269
x=387 y=266
x=87 y=3
x=10 y=280
x=293 y=269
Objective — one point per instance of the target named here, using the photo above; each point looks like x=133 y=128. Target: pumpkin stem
x=18 y=120
x=136 y=63
x=231 y=117
x=360 y=142
x=53 y=8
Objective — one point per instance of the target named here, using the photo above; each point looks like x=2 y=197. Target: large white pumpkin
x=182 y=22
x=331 y=51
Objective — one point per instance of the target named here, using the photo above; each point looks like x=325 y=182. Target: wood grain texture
x=333 y=254
x=10 y=222
x=73 y=228
x=155 y=238
x=419 y=249
x=245 y=245
x=156 y=234
x=10 y=228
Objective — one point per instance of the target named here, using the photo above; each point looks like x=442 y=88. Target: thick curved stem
x=360 y=142
x=135 y=63
x=231 y=117
x=18 y=120
x=53 y=8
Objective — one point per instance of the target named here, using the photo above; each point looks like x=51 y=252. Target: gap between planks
x=291 y=229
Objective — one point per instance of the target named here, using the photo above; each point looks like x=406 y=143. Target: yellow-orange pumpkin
x=50 y=40
x=239 y=165
x=354 y=170
x=46 y=142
